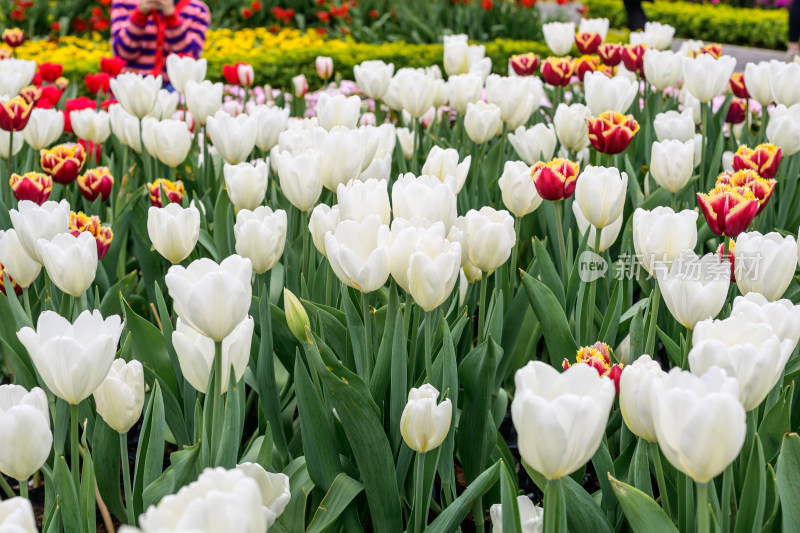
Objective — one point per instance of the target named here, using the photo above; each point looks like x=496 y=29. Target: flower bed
x=716 y=23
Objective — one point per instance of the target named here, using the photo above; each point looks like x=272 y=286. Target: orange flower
x=633 y=58
x=588 y=42
x=95 y=183
x=610 y=54
x=738 y=86
x=15 y=113
x=611 y=132
x=33 y=186
x=764 y=159
x=80 y=221
x=555 y=180
x=598 y=356
x=63 y=162
x=524 y=64
x=557 y=71
x=729 y=210
x=174 y=190
x=761 y=187
x=13 y=37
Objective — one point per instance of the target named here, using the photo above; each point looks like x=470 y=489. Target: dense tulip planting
x=559 y=298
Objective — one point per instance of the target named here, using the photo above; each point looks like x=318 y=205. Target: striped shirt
x=144 y=41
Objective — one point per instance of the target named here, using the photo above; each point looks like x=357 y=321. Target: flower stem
x=555 y=514
x=365 y=308
x=5 y=487
x=725 y=498
x=703 y=522
x=304 y=267
x=75 y=455
x=562 y=248
x=429 y=345
x=655 y=302
x=216 y=402
x=419 y=519
x=482 y=308
x=10 y=154
x=512 y=272
x=703 y=147
x=126 y=477
x=23 y=488
x=687 y=348
x=662 y=485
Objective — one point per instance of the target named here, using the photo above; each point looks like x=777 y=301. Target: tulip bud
x=120 y=397
x=531 y=517
x=16 y=515
x=79 y=222
x=764 y=159
x=518 y=189
x=17 y=264
x=26 y=434
x=339 y=110
x=300 y=86
x=765 y=263
x=70 y=261
x=181 y=69
x=757 y=82
x=694 y=288
x=635 y=399
x=407 y=141
x=174 y=191
x=783 y=129
x=95 y=183
x=296 y=316
x=271 y=122
x=33 y=222
x=559 y=36
x=482 y=121
x=63 y=162
x=588 y=42
x=233 y=137
x=555 y=180
x=13 y=37
x=260 y=236
x=32 y=186
x=173 y=230
x=705 y=77
x=424 y=424
x=782 y=315
x=324 y=66
x=611 y=132
x=571 y=126
x=610 y=54
x=672 y=163
x=15 y=113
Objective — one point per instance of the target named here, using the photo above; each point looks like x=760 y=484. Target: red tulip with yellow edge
x=32 y=186
x=610 y=54
x=736 y=112
x=598 y=356
x=712 y=49
x=80 y=221
x=31 y=94
x=557 y=71
x=3 y=274
x=764 y=159
x=15 y=113
x=731 y=255
x=737 y=85
x=95 y=183
x=729 y=210
x=63 y=162
x=611 y=132
x=174 y=191
x=13 y=37
x=525 y=64
x=762 y=188
x=62 y=83
x=588 y=42
x=633 y=58
x=585 y=64
x=555 y=180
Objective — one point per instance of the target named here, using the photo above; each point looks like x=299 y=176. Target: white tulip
x=782 y=315
x=90 y=125
x=342 y=154
x=373 y=77
x=534 y=144
x=33 y=222
x=16 y=516
x=600 y=192
x=635 y=399
x=573 y=406
x=120 y=397
x=660 y=35
x=181 y=69
x=424 y=424
x=25 y=440
x=360 y=199
x=173 y=230
x=44 y=128
x=464 y=89
x=456 y=54
x=169 y=140
x=608 y=235
x=699 y=421
x=203 y=99
x=358 y=253
x=260 y=236
x=571 y=127
x=425 y=198
x=7 y=142
x=324 y=219
x=16 y=262
x=482 y=121
x=274 y=489
x=15 y=74
x=125 y=127
x=660 y=234
x=300 y=178
x=517 y=97
x=559 y=36
x=416 y=89
x=599 y=25
x=137 y=94
x=694 y=288
x=517 y=189
x=380 y=169
x=233 y=137
x=765 y=263
x=608 y=94
x=407 y=140
x=196 y=353
x=70 y=262
x=73 y=359
x=387 y=139
x=783 y=129
x=212 y=298
x=672 y=163
x=688 y=101
x=442 y=163
x=673 y=125
x=662 y=69
x=705 y=76
x=338 y=110
x=783 y=81
x=295 y=141
x=403 y=238
x=271 y=122
x=757 y=77
x=434 y=264
x=166 y=105
x=531 y=517
x=246 y=184
x=486 y=237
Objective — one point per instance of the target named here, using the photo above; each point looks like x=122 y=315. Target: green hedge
x=714 y=23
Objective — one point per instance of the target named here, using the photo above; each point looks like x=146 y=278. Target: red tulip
x=737 y=85
x=557 y=71
x=555 y=180
x=610 y=54
x=32 y=186
x=64 y=162
x=728 y=210
x=51 y=71
x=95 y=183
x=588 y=42
x=764 y=159
x=525 y=64
x=612 y=132
x=112 y=65
x=15 y=113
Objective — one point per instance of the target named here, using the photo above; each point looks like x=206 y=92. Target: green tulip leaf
x=788 y=472
x=643 y=513
x=557 y=335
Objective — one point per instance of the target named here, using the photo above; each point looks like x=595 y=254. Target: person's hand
x=146 y=6
x=167 y=7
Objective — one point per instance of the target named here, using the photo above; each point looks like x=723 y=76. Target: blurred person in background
x=145 y=32
x=794 y=30
x=636 y=16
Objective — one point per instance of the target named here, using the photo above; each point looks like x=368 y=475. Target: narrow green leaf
x=557 y=335
x=452 y=517
x=643 y=513
x=788 y=472
x=753 y=497
x=343 y=490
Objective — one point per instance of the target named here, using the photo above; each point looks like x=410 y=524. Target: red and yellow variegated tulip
x=728 y=210
x=611 y=132
x=62 y=83
x=712 y=49
x=588 y=42
x=525 y=64
x=737 y=85
x=15 y=113
x=557 y=71
x=731 y=255
x=598 y=356
x=80 y=221
x=63 y=162
x=555 y=180
x=174 y=191
x=585 y=64
x=764 y=159
x=31 y=94
x=32 y=186
x=736 y=112
x=3 y=274
x=95 y=183
x=762 y=188
x=633 y=58
x=610 y=54
x=13 y=37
